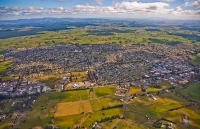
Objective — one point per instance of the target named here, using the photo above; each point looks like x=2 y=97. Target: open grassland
x=134 y=90
x=143 y=105
x=153 y=90
x=193 y=91
x=97 y=116
x=153 y=108
x=103 y=91
x=4 y=65
x=41 y=113
x=100 y=103
x=72 y=108
x=66 y=122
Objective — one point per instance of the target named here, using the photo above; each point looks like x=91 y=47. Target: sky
x=165 y=9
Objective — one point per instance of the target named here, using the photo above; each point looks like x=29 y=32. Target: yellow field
x=72 y=108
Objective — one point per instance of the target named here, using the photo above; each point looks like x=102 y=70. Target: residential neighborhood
x=105 y=64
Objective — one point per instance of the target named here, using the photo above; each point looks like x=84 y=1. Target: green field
x=46 y=106
x=67 y=121
x=144 y=105
x=196 y=60
x=103 y=91
x=193 y=91
x=153 y=90
x=4 y=65
x=126 y=35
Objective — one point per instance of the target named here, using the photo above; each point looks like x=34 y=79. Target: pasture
x=193 y=91
x=4 y=65
x=143 y=105
x=103 y=91
x=125 y=35
x=72 y=108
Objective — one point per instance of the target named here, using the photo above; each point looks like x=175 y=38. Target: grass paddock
x=72 y=108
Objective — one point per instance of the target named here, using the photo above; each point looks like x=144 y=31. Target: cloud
x=58 y=10
x=178 y=8
x=139 y=6
x=187 y=4
x=167 y=1
x=196 y=4
x=118 y=9
x=94 y=9
x=99 y=2
x=33 y=11
x=10 y=9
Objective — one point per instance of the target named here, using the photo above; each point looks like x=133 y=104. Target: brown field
x=72 y=108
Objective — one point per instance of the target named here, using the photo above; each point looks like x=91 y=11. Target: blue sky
x=171 y=9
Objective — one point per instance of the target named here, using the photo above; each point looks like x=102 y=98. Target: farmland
x=117 y=74
x=4 y=65
x=117 y=35
x=193 y=91
x=66 y=109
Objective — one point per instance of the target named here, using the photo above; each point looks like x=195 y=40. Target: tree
x=143 y=90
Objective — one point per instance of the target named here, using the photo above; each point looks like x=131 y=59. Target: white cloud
x=58 y=10
x=140 y=6
x=118 y=9
x=187 y=4
x=196 y=4
x=32 y=11
x=166 y=1
x=178 y=8
x=10 y=9
x=99 y=2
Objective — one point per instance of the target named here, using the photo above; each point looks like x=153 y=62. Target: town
x=105 y=64
x=75 y=67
